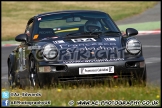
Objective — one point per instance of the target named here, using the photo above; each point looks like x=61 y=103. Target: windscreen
x=61 y=24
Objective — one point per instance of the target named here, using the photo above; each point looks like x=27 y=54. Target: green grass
x=142 y=26
x=61 y=96
x=16 y=14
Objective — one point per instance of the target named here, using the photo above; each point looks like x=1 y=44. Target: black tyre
x=33 y=73
x=11 y=77
x=25 y=83
x=32 y=80
x=144 y=78
x=139 y=80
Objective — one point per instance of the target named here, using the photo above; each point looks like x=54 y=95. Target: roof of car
x=67 y=11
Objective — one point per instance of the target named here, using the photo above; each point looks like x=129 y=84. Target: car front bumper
x=70 y=72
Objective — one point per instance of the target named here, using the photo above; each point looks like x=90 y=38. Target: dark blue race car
x=75 y=46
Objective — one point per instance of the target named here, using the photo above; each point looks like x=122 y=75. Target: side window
x=28 y=30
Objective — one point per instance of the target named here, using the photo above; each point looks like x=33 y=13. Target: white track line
x=152 y=60
x=150 y=46
x=4 y=77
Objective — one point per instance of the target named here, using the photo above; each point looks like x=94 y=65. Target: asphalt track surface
x=151 y=50
x=152 y=14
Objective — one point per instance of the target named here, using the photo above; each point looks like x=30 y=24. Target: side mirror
x=21 y=38
x=131 y=32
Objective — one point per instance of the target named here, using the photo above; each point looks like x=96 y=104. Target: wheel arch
x=11 y=59
x=31 y=54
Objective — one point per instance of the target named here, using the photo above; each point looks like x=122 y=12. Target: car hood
x=85 y=48
x=104 y=41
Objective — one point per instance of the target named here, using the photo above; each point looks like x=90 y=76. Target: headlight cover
x=50 y=51
x=133 y=46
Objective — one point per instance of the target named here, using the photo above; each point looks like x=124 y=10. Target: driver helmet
x=92 y=26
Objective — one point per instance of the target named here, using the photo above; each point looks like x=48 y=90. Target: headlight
x=133 y=46
x=50 y=51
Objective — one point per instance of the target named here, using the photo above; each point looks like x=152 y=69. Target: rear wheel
x=11 y=76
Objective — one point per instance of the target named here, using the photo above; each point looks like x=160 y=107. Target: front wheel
x=32 y=80
x=33 y=73
x=139 y=80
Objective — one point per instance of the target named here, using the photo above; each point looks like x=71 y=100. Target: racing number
x=21 y=58
x=83 y=40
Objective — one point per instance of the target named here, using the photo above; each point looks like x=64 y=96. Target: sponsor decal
x=110 y=39
x=22 y=59
x=45 y=32
x=99 y=44
x=58 y=41
x=96 y=70
x=112 y=43
x=83 y=40
x=39 y=19
x=93 y=61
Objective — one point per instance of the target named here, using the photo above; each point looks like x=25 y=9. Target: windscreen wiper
x=107 y=32
x=92 y=33
x=84 y=33
x=70 y=34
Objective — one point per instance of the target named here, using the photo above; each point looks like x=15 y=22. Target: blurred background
x=16 y=14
